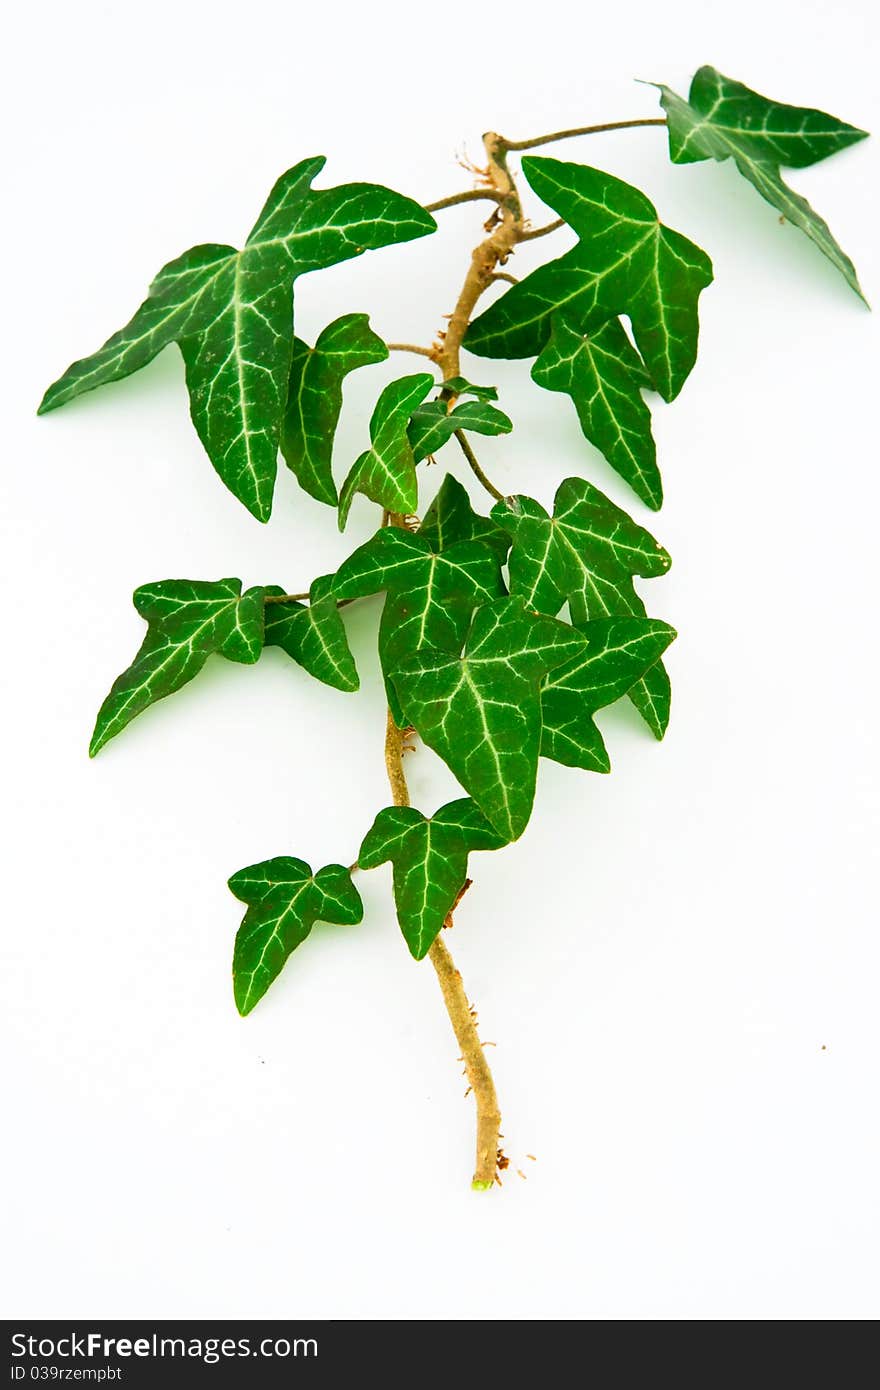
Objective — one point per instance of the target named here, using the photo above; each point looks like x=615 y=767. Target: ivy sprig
x=503 y=631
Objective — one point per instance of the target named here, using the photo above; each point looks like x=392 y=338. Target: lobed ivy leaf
x=284 y=900
x=586 y=554
x=231 y=314
x=386 y=472
x=313 y=635
x=481 y=710
x=603 y=374
x=430 y=857
x=314 y=398
x=433 y=423
x=620 y=652
x=431 y=596
x=188 y=620
x=722 y=119
x=451 y=518
x=625 y=262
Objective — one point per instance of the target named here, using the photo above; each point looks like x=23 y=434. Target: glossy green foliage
x=284 y=900
x=313 y=634
x=231 y=312
x=386 y=472
x=434 y=423
x=188 y=620
x=314 y=398
x=430 y=858
x=625 y=262
x=619 y=653
x=604 y=375
x=431 y=594
x=586 y=554
x=722 y=119
x=503 y=635
x=481 y=710
x=451 y=518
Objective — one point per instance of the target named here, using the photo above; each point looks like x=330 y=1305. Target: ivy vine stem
x=507 y=229
x=580 y=130
x=461 y=1015
x=477 y=471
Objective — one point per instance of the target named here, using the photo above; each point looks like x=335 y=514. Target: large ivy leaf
x=433 y=423
x=603 y=374
x=314 y=398
x=430 y=857
x=451 y=518
x=188 y=620
x=722 y=119
x=231 y=314
x=284 y=899
x=431 y=596
x=625 y=262
x=386 y=472
x=481 y=710
x=620 y=652
x=313 y=634
x=586 y=554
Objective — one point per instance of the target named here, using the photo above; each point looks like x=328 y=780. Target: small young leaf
x=460 y=386
x=481 y=711
x=451 y=518
x=231 y=314
x=434 y=423
x=187 y=621
x=386 y=472
x=314 y=398
x=722 y=119
x=313 y=635
x=430 y=856
x=587 y=554
x=620 y=652
x=430 y=596
x=603 y=373
x=284 y=899
x=625 y=262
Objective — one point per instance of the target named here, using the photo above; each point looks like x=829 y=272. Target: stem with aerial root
x=506 y=228
x=461 y=1016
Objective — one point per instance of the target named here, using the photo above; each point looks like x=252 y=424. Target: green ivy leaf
x=313 y=635
x=625 y=262
x=620 y=652
x=481 y=711
x=188 y=620
x=430 y=857
x=586 y=554
x=722 y=119
x=603 y=373
x=314 y=398
x=434 y=423
x=430 y=596
x=386 y=472
x=460 y=386
x=451 y=518
x=231 y=314
x=284 y=899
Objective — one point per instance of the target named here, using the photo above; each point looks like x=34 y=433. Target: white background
x=678 y=962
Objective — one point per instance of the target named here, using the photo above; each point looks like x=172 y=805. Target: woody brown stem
x=507 y=230
x=463 y=1022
